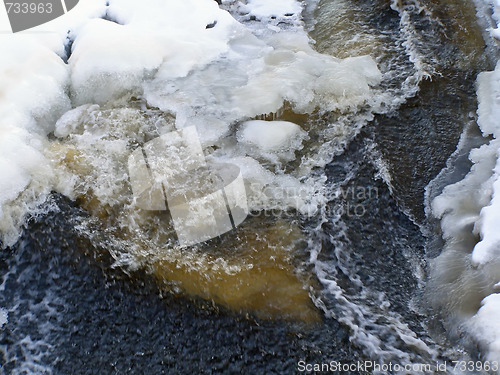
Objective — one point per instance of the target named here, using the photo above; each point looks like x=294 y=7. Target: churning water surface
x=333 y=262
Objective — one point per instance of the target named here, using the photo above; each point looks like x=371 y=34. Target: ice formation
x=470 y=211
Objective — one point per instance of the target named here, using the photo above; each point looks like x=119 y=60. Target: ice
x=110 y=59
x=139 y=70
x=270 y=135
x=269 y=138
x=256 y=77
x=475 y=201
x=470 y=218
x=495 y=4
x=69 y=122
x=276 y=8
x=486 y=326
x=488 y=248
x=17 y=159
x=489 y=102
x=488 y=91
x=33 y=82
x=460 y=204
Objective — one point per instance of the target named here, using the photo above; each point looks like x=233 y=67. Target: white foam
x=69 y=122
x=4 y=317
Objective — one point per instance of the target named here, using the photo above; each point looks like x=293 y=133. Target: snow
x=110 y=59
x=33 y=83
x=486 y=253
x=276 y=8
x=488 y=94
x=256 y=77
x=488 y=248
x=495 y=4
x=270 y=139
x=486 y=326
x=270 y=135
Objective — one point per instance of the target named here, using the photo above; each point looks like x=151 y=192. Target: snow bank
x=34 y=84
x=475 y=201
x=488 y=248
x=488 y=94
x=33 y=81
x=113 y=58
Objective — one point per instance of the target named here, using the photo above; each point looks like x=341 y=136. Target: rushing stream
x=354 y=250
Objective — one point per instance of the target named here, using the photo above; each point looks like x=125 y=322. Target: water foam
x=4 y=317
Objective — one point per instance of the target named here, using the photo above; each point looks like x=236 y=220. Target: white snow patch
x=281 y=138
x=33 y=82
x=276 y=8
x=488 y=94
x=486 y=326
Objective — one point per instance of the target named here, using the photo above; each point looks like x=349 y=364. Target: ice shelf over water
x=470 y=209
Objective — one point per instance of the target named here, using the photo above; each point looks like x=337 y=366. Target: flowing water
x=333 y=262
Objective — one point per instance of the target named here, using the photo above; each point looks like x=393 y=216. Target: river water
x=334 y=262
